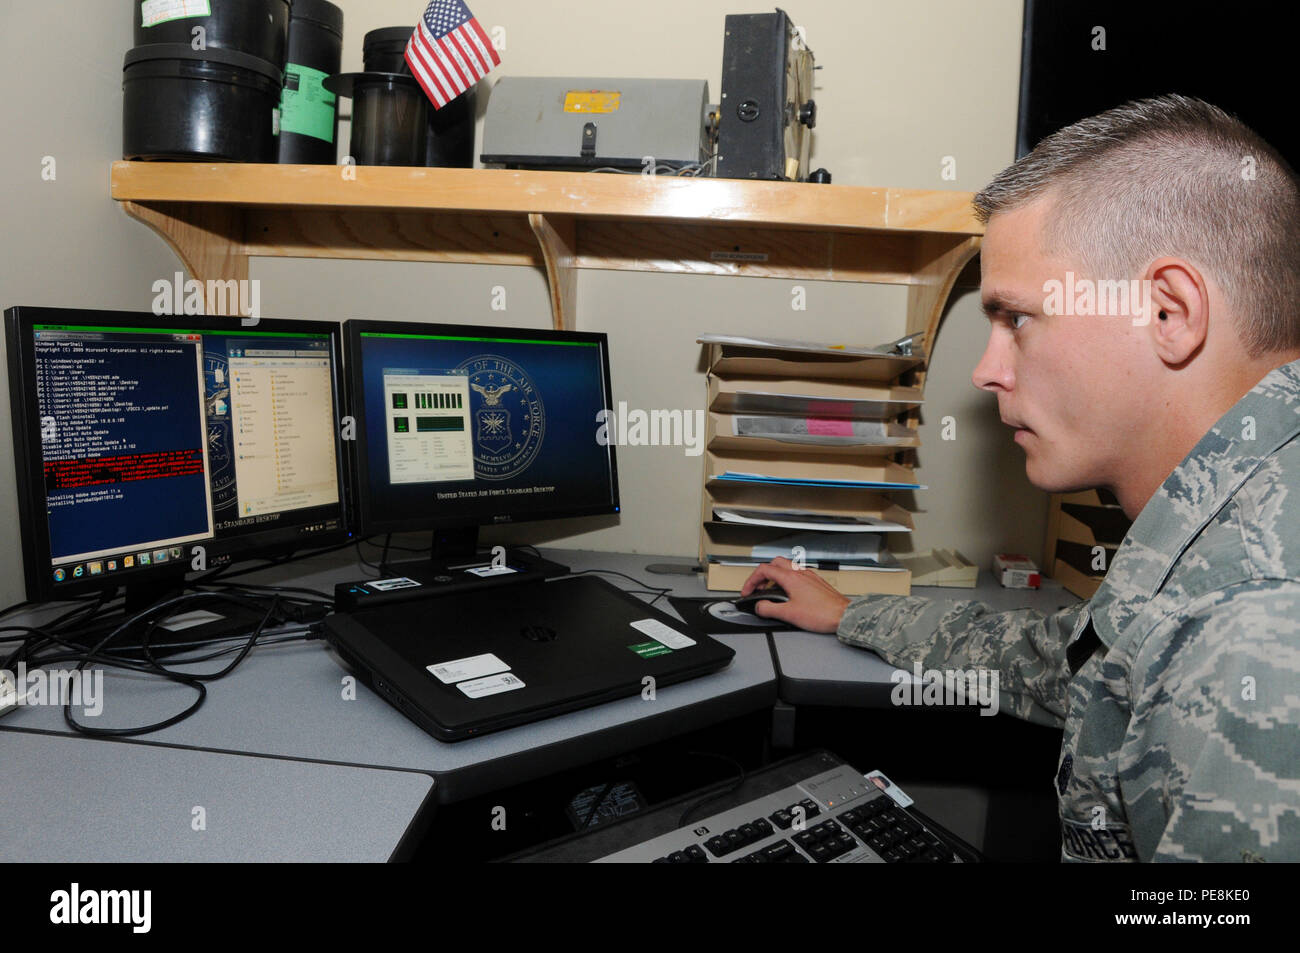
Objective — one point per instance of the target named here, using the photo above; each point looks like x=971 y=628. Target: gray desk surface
x=99 y=801
x=289 y=701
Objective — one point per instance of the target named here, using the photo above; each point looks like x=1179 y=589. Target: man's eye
x=1018 y=321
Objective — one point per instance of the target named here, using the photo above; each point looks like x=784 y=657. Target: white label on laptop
x=476 y=666
x=492 y=685
x=662 y=633
x=388 y=585
x=485 y=571
x=889 y=787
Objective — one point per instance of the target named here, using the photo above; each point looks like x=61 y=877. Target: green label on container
x=306 y=106
x=154 y=12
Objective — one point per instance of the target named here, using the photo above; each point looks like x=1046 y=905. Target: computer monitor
x=460 y=427
x=148 y=446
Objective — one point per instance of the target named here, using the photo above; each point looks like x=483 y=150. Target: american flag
x=449 y=52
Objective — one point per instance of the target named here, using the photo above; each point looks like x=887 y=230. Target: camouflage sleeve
x=1026 y=648
x=1215 y=730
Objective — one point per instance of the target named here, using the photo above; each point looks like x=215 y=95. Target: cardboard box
x=1015 y=571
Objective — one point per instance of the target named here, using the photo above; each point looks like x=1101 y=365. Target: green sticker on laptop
x=650 y=649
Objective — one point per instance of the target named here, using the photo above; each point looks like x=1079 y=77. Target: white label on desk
x=492 y=685
x=485 y=571
x=476 y=666
x=662 y=633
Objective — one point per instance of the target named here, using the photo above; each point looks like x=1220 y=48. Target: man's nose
x=993 y=372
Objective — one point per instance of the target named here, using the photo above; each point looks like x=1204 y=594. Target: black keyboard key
x=779 y=852
x=810 y=807
x=782 y=819
x=763 y=827
x=819 y=852
x=696 y=855
x=747 y=833
x=678 y=857
x=717 y=845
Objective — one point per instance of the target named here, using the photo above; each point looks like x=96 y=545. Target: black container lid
x=183 y=51
x=388 y=36
x=321 y=12
x=345 y=84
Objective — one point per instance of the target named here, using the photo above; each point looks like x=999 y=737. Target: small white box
x=1015 y=571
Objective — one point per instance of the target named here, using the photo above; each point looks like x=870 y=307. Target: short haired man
x=1178 y=683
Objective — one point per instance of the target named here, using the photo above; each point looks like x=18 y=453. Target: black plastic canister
x=450 y=140
x=257 y=27
x=180 y=103
x=308 y=111
x=390 y=120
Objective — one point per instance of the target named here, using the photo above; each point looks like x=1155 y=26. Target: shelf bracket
x=558 y=237
x=940 y=259
x=208 y=239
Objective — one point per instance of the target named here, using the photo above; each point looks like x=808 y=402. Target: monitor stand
x=457 y=564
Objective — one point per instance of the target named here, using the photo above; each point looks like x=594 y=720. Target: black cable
x=721 y=794
x=154 y=667
x=645 y=587
x=253 y=589
x=367 y=563
x=400 y=549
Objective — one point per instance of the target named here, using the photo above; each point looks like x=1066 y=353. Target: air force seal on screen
x=508 y=414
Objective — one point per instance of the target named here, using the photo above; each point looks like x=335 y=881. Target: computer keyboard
x=834 y=816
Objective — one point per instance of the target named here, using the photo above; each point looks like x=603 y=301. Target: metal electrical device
x=762 y=129
x=580 y=123
x=767 y=114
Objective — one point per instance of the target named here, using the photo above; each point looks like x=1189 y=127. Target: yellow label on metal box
x=591 y=101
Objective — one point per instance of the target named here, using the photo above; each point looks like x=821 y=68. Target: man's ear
x=1179 y=309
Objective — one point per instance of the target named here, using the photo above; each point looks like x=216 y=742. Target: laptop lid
x=472 y=663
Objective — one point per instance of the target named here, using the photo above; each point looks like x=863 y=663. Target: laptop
x=466 y=664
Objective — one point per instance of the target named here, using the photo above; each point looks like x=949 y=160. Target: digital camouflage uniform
x=1178 y=683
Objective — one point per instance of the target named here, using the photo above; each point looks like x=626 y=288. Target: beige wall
x=904 y=84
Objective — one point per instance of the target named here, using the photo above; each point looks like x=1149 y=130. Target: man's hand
x=814 y=606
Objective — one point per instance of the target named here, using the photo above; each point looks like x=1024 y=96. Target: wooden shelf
x=215 y=216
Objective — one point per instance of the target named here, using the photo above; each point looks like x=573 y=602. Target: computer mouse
x=750 y=602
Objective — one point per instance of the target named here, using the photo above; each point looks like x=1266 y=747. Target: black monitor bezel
x=362 y=515
x=28 y=467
